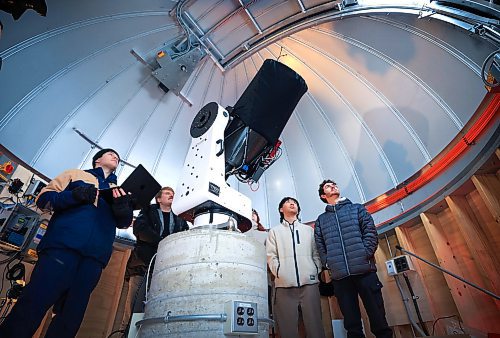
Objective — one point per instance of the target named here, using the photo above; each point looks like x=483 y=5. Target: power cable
x=483 y=68
x=444 y=317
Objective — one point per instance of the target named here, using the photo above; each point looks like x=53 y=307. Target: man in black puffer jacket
x=346 y=239
x=153 y=224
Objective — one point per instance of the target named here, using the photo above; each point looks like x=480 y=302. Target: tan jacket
x=292 y=255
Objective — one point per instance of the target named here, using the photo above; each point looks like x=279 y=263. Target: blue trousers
x=63 y=278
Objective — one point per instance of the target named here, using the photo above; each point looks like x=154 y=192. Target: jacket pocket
x=278 y=271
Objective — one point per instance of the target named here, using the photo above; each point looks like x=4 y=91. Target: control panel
x=17 y=227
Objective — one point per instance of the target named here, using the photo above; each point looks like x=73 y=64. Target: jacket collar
x=342 y=201
x=99 y=173
x=285 y=222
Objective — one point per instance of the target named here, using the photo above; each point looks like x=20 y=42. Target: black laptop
x=141 y=184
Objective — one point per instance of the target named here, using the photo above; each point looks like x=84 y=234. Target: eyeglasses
x=329 y=185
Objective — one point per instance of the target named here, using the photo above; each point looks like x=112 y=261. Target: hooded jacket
x=292 y=256
x=88 y=229
x=346 y=239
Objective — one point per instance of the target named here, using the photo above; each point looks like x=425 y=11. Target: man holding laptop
x=75 y=249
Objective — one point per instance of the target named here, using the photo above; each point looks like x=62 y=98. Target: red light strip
x=442 y=164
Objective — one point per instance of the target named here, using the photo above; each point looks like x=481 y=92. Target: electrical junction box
x=17 y=227
x=241 y=318
x=399 y=265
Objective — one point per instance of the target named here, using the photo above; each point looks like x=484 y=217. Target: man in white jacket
x=294 y=261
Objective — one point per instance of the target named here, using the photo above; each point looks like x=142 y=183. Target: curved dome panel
x=387 y=93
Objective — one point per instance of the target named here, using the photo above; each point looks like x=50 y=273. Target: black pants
x=61 y=277
x=369 y=288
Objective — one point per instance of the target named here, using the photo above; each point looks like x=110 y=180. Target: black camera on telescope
x=18 y=7
x=258 y=118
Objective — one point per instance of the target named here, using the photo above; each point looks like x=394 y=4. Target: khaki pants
x=286 y=311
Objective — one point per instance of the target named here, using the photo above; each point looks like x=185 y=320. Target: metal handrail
x=489 y=293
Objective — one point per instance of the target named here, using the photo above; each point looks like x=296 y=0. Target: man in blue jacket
x=74 y=250
x=347 y=239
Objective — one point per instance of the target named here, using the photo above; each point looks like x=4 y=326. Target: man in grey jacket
x=346 y=239
x=294 y=261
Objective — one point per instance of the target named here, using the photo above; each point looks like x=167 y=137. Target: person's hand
x=118 y=192
x=85 y=194
x=122 y=206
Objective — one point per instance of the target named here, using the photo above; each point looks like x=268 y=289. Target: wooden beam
x=488 y=187
x=428 y=308
x=403 y=331
x=125 y=254
x=478 y=244
x=394 y=306
x=470 y=312
x=484 y=217
x=101 y=310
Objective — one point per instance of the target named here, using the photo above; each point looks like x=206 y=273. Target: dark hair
x=321 y=191
x=260 y=227
x=101 y=152
x=283 y=201
x=159 y=193
x=255 y=212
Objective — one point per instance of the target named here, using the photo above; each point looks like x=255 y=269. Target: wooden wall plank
x=470 y=271
x=438 y=236
x=428 y=283
x=439 y=296
x=394 y=307
x=403 y=331
x=477 y=310
x=478 y=244
x=488 y=223
x=433 y=279
x=488 y=186
x=426 y=308
x=101 y=311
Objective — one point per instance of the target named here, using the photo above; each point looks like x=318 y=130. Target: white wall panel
x=386 y=94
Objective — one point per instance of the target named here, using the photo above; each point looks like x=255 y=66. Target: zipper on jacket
x=341 y=240
x=295 y=254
